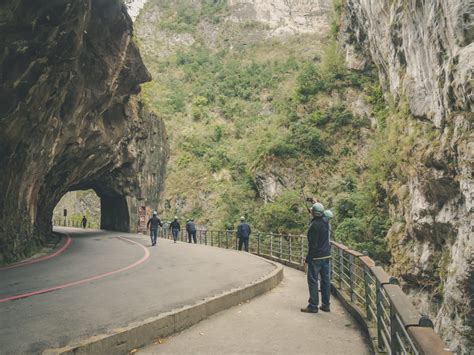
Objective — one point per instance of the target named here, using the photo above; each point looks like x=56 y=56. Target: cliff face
x=284 y=17
x=424 y=53
x=68 y=118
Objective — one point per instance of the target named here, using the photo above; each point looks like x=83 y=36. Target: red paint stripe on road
x=93 y=278
x=43 y=258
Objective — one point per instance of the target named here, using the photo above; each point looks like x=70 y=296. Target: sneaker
x=309 y=310
x=325 y=308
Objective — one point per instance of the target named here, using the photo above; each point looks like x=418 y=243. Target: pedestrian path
x=270 y=324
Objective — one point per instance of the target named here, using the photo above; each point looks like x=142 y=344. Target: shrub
x=333 y=66
x=351 y=230
x=345 y=207
x=308 y=139
x=308 y=83
x=380 y=108
x=281 y=148
x=286 y=214
x=218 y=132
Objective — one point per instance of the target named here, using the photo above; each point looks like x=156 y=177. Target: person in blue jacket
x=243 y=234
x=191 y=229
x=153 y=224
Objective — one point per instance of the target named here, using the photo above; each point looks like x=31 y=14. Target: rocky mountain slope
x=69 y=119
x=259 y=108
x=424 y=53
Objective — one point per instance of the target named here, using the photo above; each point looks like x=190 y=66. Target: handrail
x=397 y=327
x=67 y=222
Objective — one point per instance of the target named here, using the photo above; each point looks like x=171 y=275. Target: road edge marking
x=42 y=258
x=78 y=282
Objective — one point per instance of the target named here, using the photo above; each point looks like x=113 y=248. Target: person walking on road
x=175 y=228
x=84 y=222
x=318 y=257
x=191 y=229
x=243 y=234
x=153 y=224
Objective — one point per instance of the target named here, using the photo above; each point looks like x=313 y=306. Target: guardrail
x=393 y=323
x=72 y=223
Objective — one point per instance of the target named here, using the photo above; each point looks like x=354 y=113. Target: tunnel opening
x=100 y=211
x=74 y=206
x=115 y=215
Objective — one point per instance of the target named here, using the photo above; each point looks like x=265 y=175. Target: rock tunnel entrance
x=101 y=211
x=115 y=214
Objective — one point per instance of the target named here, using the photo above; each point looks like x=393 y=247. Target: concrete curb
x=139 y=334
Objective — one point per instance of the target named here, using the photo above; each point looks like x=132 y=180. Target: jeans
x=193 y=235
x=175 y=234
x=153 y=234
x=318 y=268
x=245 y=242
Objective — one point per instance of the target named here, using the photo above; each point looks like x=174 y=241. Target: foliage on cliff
x=242 y=106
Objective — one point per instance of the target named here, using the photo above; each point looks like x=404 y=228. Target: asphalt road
x=106 y=280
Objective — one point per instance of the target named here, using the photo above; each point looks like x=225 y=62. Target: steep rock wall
x=424 y=53
x=68 y=118
x=284 y=17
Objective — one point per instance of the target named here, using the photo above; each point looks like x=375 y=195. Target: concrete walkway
x=271 y=324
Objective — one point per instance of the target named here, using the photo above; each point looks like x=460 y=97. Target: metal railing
x=393 y=323
x=72 y=223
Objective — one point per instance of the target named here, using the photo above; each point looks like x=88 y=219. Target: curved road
x=105 y=280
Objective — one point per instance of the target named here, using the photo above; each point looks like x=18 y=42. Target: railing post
x=281 y=247
x=227 y=239
x=394 y=346
x=258 y=243
x=289 y=248
x=351 y=277
x=205 y=237
x=341 y=268
x=302 y=260
x=367 y=292
x=271 y=244
x=378 y=290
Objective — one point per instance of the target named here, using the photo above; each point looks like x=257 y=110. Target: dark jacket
x=318 y=239
x=190 y=227
x=175 y=225
x=153 y=223
x=243 y=230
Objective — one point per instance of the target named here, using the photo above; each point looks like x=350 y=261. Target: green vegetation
x=238 y=105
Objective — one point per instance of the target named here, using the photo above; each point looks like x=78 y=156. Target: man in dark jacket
x=319 y=255
x=153 y=224
x=243 y=233
x=84 y=221
x=175 y=228
x=191 y=229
